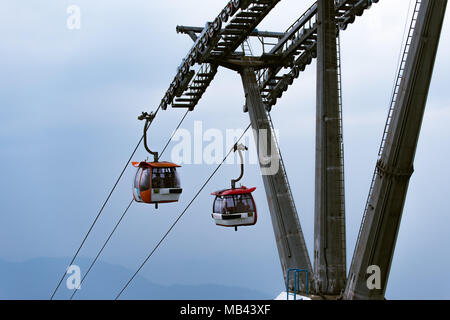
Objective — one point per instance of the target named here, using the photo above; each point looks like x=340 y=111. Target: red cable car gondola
x=155 y=182
x=235 y=207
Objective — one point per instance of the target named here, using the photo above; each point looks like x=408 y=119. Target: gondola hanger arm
x=239 y=147
x=148 y=117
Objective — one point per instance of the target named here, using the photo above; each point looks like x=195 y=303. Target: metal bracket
x=392 y=171
x=239 y=147
x=148 y=117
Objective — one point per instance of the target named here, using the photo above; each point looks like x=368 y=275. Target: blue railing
x=297 y=273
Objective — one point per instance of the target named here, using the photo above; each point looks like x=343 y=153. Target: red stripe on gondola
x=229 y=192
x=155 y=165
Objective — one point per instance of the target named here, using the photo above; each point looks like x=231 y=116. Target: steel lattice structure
x=315 y=34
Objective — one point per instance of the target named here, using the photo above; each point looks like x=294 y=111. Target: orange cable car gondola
x=235 y=207
x=155 y=182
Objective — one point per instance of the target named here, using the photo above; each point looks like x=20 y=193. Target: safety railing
x=297 y=287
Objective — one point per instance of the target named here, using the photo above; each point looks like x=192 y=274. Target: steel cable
x=178 y=219
x=121 y=218
x=100 y=212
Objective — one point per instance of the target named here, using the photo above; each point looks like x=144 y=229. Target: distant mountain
x=37 y=278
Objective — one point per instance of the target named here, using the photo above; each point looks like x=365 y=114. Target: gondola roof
x=236 y=191
x=155 y=164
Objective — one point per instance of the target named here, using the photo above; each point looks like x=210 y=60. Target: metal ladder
x=283 y=170
x=282 y=167
x=288 y=186
x=341 y=143
x=400 y=74
x=399 y=78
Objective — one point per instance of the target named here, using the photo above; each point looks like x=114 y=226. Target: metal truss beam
x=299 y=45
x=240 y=19
x=255 y=33
x=376 y=243
x=215 y=46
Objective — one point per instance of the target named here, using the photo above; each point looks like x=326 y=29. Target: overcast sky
x=69 y=100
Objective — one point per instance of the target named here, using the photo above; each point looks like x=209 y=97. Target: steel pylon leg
x=286 y=225
x=376 y=243
x=329 y=228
